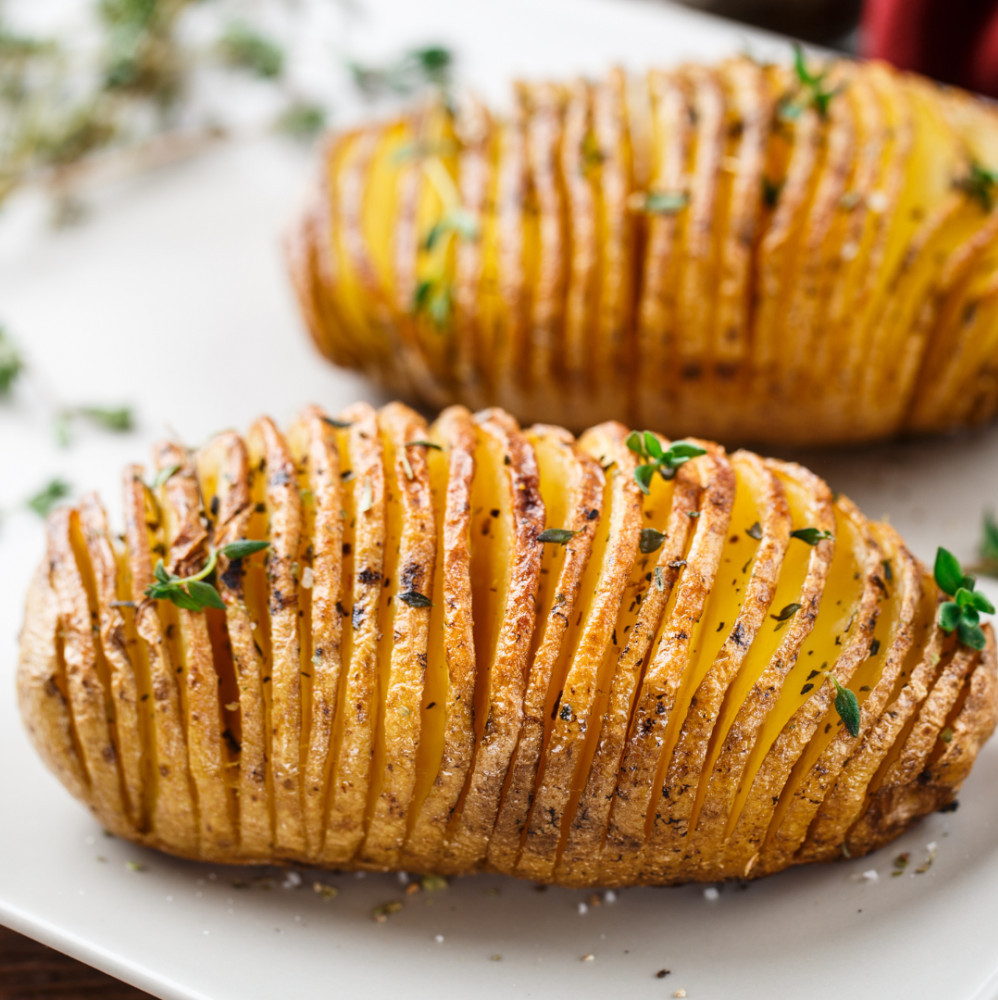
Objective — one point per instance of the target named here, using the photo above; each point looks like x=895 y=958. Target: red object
x=954 y=41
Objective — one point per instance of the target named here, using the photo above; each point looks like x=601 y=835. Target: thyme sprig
x=988 y=549
x=980 y=184
x=195 y=592
x=664 y=461
x=11 y=363
x=847 y=705
x=812 y=90
x=415 y=68
x=963 y=613
x=811 y=536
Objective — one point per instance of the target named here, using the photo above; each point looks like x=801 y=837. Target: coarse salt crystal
x=610 y=896
x=877 y=201
x=849 y=250
x=711 y=893
x=292 y=880
x=931 y=847
x=679 y=993
x=870 y=875
x=590 y=957
x=583 y=909
x=439 y=939
x=404 y=878
x=307 y=578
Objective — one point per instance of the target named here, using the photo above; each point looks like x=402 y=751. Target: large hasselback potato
x=469 y=646
x=744 y=252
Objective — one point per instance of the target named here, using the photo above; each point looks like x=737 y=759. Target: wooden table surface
x=30 y=971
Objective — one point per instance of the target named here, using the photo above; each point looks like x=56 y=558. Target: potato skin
x=700 y=250
x=414 y=675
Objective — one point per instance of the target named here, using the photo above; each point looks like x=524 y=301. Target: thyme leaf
x=557 y=536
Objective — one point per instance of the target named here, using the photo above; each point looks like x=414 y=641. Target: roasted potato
x=749 y=253
x=372 y=643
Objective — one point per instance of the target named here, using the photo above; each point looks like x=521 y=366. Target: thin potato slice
x=672 y=136
x=173 y=811
x=761 y=521
x=672 y=505
x=447 y=719
x=42 y=690
x=614 y=541
x=312 y=440
x=652 y=717
x=354 y=733
x=198 y=662
x=408 y=586
x=571 y=484
x=224 y=481
x=85 y=669
x=874 y=682
x=504 y=580
x=544 y=127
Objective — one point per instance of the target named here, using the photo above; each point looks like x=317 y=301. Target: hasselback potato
x=746 y=252
x=377 y=644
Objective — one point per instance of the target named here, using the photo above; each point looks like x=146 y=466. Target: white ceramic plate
x=173 y=297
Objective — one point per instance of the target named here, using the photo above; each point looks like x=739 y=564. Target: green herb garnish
x=659 y=202
x=194 y=592
x=301 y=120
x=847 y=705
x=988 y=549
x=963 y=613
x=754 y=531
x=458 y=222
x=415 y=600
x=244 y=48
x=664 y=461
x=785 y=615
x=651 y=540
x=811 y=535
x=435 y=298
x=43 y=502
x=771 y=191
x=812 y=90
x=416 y=68
x=557 y=536
x=163 y=475
x=980 y=184
x=424 y=444
x=11 y=363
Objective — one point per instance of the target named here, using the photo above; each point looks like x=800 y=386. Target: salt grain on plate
x=403 y=878
x=711 y=893
x=610 y=896
x=679 y=993
x=583 y=909
x=439 y=939
x=292 y=880
x=589 y=958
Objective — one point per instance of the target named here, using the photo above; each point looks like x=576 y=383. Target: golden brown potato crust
x=705 y=251
x=413 y=674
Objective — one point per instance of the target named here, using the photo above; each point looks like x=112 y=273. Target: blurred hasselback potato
x=777 y=254
x=469 y=646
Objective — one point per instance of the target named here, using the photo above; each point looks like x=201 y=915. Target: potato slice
x=410 y=558
x=43 y=692
x=355 y=724
x=571 y=484
x=198 y=662
x=544 y=129
x=224 y=482
x=759 y=535
x=312 y=442
x=672 y=505
x=672 y=138
x=904 y=618
x=86 y=671
x=505 y=570
x=579 y=167
x=476 y=175
x=654 y=722
x=447 y=720
x=584 y=687
x=612 y=348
